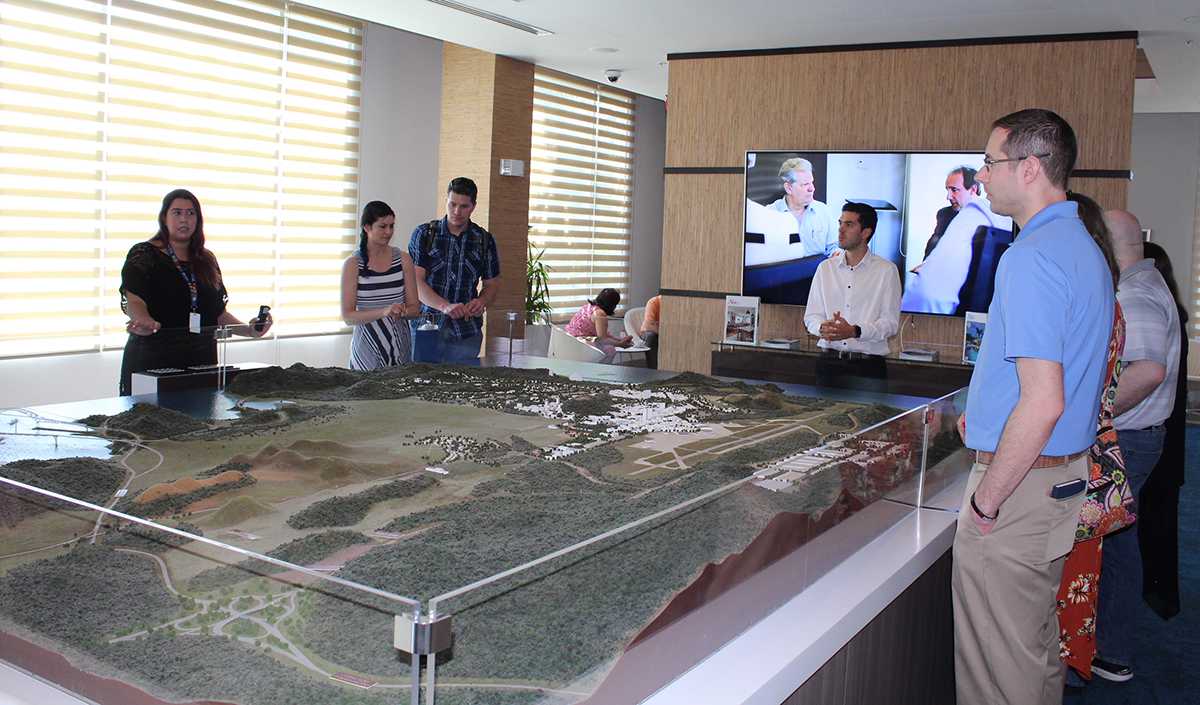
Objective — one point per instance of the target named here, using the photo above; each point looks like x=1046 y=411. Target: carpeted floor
x=1167 y=653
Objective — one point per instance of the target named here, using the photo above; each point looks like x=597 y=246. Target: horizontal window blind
x=105 y=106
x=581 y=180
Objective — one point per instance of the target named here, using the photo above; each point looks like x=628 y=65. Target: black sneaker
x=1111 y=671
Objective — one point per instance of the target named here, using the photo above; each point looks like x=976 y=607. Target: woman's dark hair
x=375 y=210
x=202 y=261
x=607 y=300
x=1163 y=263
x=1092 y=216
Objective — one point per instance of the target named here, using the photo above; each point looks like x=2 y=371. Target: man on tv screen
x=937 y=285
x=816 y=226
x=961 y=189
x=854 y=307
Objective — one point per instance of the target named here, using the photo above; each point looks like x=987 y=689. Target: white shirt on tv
x=818 y=232
x=867 y=295
x=935 y=285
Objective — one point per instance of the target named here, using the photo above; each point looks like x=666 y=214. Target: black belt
x=848 y=354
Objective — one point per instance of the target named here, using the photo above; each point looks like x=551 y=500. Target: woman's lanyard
x=189 y=276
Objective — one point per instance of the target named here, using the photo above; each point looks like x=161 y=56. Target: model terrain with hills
x=418 y=480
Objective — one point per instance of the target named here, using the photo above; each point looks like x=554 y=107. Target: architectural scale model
x=415 y=480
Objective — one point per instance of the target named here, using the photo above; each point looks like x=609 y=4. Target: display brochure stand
x=973 y=336
x=741 y=320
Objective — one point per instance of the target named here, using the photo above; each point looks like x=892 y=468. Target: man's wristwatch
x=857 y=332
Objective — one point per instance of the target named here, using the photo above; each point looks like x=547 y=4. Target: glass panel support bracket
x=419 y=635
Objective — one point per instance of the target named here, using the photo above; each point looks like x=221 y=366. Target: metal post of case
x=430 y=678
x=928 y=417
x=419 y=636
x=431 y=660
x=512 y=317
x=223 y=334
x=416 y=663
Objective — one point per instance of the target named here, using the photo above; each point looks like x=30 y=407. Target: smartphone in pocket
x=1070 y=488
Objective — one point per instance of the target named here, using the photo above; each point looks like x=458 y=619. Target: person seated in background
x=173 y=293
x=649 y=331
x=378 y=290
x=590 y=323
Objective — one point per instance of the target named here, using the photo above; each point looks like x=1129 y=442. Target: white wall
x=400 y=127
x=649 y=158
x=1166 y=159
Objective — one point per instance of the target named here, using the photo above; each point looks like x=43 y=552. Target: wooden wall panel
x=927 y=98
x=904 y=99
x=702 y=232
x=508 y=196
x=687 y=329
x=1109 y=193
x=487 y=115
x=465 y=149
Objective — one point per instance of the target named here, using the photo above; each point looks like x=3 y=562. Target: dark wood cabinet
x=909 y=377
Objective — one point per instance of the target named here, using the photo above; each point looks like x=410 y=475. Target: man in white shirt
x=813 y=221
x=854 y=307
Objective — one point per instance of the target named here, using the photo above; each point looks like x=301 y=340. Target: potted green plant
x=537 y=303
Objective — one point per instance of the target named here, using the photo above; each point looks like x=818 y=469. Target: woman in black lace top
x=171 y=289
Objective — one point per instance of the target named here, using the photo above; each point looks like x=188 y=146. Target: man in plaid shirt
x=450 y=262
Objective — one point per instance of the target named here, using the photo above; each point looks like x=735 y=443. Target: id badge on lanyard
x=190 y=278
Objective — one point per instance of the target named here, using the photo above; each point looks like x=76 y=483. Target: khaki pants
x=1006 y=633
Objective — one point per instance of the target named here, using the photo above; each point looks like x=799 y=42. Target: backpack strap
x=483 y=248
x=431 y=232
x=435 y=229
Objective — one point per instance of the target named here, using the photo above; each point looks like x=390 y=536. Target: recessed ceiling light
x=1193 y=18
x=605 y=50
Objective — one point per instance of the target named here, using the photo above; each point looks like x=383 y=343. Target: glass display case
x=437 y=533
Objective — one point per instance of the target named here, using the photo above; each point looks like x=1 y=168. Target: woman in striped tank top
x=374 y=298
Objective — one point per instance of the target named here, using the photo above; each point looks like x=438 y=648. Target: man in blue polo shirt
x=451 y=257
x=1031 y=417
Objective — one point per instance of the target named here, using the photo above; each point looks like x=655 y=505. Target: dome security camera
x=612 y=75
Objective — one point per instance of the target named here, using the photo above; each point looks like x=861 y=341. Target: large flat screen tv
x=791 y=224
